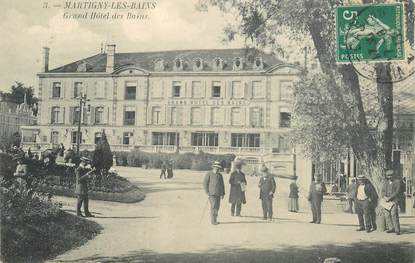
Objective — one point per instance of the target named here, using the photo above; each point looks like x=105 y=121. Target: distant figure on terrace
x=237 y=181
x=170 y=169
x=163 y=170
x=315 y=196
x=293 y=198
x=61 y=149
x=334 y=189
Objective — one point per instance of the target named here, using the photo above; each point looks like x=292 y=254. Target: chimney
x=110 y=58
x=45 y=59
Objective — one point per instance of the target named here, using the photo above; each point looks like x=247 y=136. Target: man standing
x=237 y=181
x=366 y=199
x=267 y=188
x=315 y=196
x=82 y=173
x=351 y=194
x=163 y=170
x=215 y=189
x=390 y=194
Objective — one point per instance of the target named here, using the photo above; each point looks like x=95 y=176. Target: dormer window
x=237 y=64
x=198 y=65
x=258 y=63
x=159 y=65
x=82 y=67
x=178 y=64
x=217 y=64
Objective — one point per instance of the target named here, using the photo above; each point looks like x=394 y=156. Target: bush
x=201 y=161
x=102 y=157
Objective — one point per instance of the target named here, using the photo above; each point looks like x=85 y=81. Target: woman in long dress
x=293 y=198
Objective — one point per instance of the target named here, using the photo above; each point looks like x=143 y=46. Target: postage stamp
x=370 y=33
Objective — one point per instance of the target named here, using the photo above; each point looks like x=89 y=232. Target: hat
x=217 y=165
x=389 y=172
x=85 y=159
x=361 y=177
x=264 y=168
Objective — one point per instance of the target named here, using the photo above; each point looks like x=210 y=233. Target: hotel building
x=217 y=101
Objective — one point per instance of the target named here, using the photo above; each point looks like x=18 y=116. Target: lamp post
x=82 y=101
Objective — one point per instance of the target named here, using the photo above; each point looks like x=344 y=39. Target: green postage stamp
x=366 y=33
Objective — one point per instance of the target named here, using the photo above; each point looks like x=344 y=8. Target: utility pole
x=82 y=101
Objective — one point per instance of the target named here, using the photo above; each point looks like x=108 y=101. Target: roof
x=146 y=60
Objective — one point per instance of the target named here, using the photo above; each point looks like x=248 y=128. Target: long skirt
x=293 y=204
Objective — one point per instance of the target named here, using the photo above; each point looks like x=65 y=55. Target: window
x=99 y=115
x=204 y=139
x=198 y=64
x=258 y=64
x=97 y=137
x=237 y=91
x=216 y=87
x=257 y=89
x=130 y=90
x=159 y=65
x=54 y=137
x=75 y=137
x=126 y=137
x=100 y=89
x=174 y=116
x=129 y=116
x=56 y=90
x=55 y=115
x=217 y=116
x=256 y=117
x=156 y=115
x=176 y=88
x=286 y=90
x=197 y=91
x=76 y=115
x=236 y=116
x=77 y=89
x=165 y=138
x=245 y=140
x=283 y=143
x=178 y=64
x=285 y=119
x=237 y=64
x=196 y=117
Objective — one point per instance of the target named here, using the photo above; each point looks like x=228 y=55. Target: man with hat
x=82 y=173
x=267 y=188
x=366 y=200
x=390 y=193
x=237 y=181
x=215 y=189
x=21 y=172
x=315 y=197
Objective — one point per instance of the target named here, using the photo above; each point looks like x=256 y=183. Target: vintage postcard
x=207 y=131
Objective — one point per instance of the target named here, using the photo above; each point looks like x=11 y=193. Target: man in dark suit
x=215 y=189
x=366 y=200
x=390 y=193
x=315 y=196
x=237 y=181
x=267 y=188
x=82 y=173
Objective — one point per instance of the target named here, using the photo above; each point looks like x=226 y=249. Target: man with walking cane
x=215 y=189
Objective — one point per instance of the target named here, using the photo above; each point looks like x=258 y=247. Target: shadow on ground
x=363 y=252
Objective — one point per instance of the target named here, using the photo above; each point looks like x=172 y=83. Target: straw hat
x=217 y=165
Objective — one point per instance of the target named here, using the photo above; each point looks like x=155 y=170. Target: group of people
x=214 y=187
x=166 y=170
x=366 y=202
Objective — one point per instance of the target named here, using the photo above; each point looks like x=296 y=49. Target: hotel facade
x=217 y=101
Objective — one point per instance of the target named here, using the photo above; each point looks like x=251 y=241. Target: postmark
x=367 y=34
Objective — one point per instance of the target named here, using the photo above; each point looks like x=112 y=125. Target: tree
x=8 y=141
x=335 y=115
x=102 y=158
x=17 y=94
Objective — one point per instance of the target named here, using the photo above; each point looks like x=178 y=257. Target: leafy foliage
x=102 y=157
x=17 y=93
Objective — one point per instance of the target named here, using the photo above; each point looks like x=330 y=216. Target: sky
x=26 y=27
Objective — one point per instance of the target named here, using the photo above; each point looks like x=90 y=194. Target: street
x=170 y=226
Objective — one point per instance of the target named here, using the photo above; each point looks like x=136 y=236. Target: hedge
x=200 y=161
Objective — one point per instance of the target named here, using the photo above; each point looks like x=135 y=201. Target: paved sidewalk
x=169 y=226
